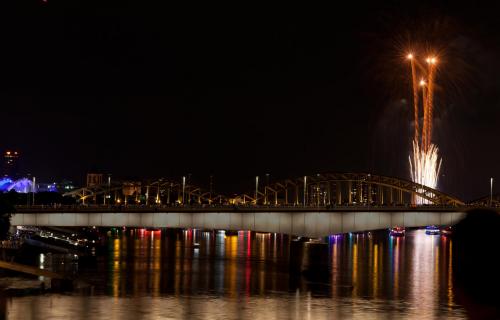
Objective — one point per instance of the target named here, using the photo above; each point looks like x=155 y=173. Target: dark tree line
x=6 y=209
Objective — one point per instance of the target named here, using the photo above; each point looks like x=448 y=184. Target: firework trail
x=430 y=99
x=415 y=95
x=425 y=164
x=426 y=114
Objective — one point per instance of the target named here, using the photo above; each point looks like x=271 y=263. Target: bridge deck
x=229 y=208
x=312 y=223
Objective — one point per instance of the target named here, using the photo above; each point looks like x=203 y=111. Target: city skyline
x=129 y=92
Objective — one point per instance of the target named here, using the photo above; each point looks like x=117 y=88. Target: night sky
x=146 y=89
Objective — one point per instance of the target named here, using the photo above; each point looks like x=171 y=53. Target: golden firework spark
x=425 y=163
x=415 y=94
x=425 y=166
x=430 y=99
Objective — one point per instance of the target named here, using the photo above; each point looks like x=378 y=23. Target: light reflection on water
x=161 y=274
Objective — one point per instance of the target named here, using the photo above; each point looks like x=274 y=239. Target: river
x=141 y=274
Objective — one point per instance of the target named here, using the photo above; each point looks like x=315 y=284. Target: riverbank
x=23 y=286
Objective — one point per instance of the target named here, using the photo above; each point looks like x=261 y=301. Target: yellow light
x=432 y=60
x=422 y=82
x=410 y=56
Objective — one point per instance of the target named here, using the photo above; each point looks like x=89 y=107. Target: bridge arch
x=492 y=200
x=329 y=189
x=162 y=191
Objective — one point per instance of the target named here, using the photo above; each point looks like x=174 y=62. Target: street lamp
x=158 y=193
x=256 y=188
x=265 y=189
x=183 y=188
x=491 y=192
x=108 y=193
x=305 y=190
x=33 y=189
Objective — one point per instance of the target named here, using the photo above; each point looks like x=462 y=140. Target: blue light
x=44 y=187
x=5 y=183
x=23 y=185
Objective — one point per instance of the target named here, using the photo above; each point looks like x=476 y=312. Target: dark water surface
x=160 y=275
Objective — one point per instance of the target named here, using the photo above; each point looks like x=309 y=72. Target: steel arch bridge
x=169 y=191
x=328 y=189
x=344 y=189
x=154 y=192
x=487 y=201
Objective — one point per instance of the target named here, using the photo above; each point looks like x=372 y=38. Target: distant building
x=10 y=164
x=94 y=179
x=131 y=188
x=65 y=186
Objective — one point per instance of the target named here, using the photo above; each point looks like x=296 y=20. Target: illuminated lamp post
x=491 y=192
x=256 y=188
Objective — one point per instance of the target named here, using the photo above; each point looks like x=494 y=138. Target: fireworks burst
x=425 y=166
x=425 y=163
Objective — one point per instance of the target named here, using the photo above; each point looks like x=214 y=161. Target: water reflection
x=162 y=273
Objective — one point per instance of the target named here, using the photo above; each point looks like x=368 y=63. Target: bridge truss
x=344 y=189
x=162 y=191
x=314 y=190
x=487 y=201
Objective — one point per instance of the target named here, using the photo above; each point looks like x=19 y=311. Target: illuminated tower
x=94 y=179
x=10 y=163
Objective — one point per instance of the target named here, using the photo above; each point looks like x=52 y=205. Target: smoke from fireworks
x=425 y=163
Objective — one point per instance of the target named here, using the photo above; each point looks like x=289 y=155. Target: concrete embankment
x=58 y=282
